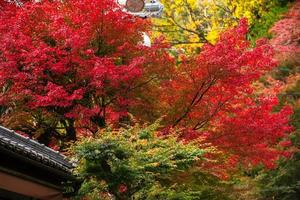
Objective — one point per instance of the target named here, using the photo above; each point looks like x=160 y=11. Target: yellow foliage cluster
x=250 y=9
x=190 y=23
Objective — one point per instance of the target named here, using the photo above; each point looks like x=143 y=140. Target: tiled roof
x=33 y=150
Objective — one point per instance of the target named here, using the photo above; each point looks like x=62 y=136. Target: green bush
x=135 y=163
x=261 y=27
x=282 y=183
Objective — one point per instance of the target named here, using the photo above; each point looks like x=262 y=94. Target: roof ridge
x=33 y=146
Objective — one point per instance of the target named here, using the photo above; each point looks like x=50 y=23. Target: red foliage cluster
x=73 y=59
x=214 y=99
x=220 y=76
x=122 y=188
x=286 y=36
x=252 y=133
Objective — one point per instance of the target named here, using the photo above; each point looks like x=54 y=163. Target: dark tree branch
x=196 y=99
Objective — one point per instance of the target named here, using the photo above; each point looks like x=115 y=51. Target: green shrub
x=260 y=28
x=135 y=163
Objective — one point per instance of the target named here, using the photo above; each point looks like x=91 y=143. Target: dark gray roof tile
x=32 y=149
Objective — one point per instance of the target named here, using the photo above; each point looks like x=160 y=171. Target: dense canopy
x=78 y=69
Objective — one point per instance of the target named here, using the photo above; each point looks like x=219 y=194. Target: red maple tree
x=212 y=97
x=70 y=65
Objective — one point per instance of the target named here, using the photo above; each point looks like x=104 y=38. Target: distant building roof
x=33 y=150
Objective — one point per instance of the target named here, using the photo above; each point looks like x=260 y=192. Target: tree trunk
x=70 y=130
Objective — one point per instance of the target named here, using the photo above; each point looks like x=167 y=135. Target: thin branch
x=196 y=99
x=202 y=123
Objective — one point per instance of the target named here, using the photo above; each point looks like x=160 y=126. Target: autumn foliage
x=69 y=68
x=286 y=36
x=212 y=97
x=72 y=61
